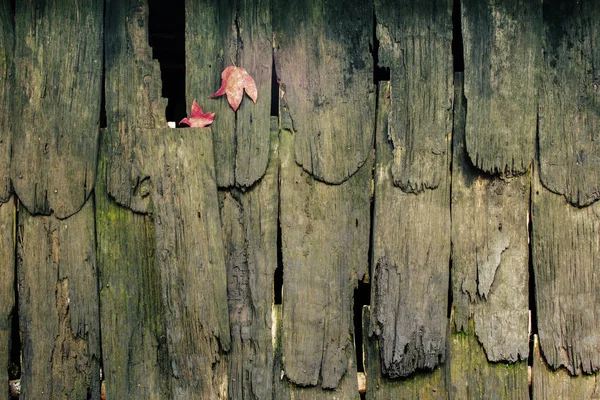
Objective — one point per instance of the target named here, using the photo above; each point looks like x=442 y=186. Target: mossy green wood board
x=177 y=166
x=250 y=225
x=6 y=80
x=325 y=240
x=566 y=255
x=58 y=78
x=548 y=383
x=490 y=250
x=219 y=34
x=134 y=350
x=58 y=305
x=415 y=40
x=473 y=376
x=420 y=385
x=569 y=120
x=7 y=284
x=411 y=254
x=325 y=69
x=502 y=54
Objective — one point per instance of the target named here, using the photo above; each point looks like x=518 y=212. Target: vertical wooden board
x=7 y=284
x=490 y=250
x=325 y=240
x=411 y=254
x=415 y=44
x=250 y=225
x=569 y=121
x=58 y=74
x=58 y=306
x=219 y=34
x=473 y=376
x=566 y=253
x=6 y=72
x=559 y=384
x=422 y=385
x=502 y=52
x=325 y=69
x=134 y=350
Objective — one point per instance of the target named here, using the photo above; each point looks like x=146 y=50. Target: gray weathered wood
x=569 y=121
x=422 y=385
x=490 y=250
x=502 y=53
x=325 y=239
x=217 y=35
x=56 y=114
x=325 y=69
x=7 y=284
x=6 y=73
x=415 y=44
x=250 y=225
x=566 y=253
x=411 y=254
x=58 y=306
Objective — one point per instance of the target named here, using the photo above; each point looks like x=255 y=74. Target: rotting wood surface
x=6 y=73
x=7 y=284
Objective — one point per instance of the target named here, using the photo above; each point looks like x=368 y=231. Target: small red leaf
x=234 y=81
x=198 y=119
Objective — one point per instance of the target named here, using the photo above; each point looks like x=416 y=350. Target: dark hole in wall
x=379 y=73
x=166 y=32
x=274 y=91
x=278 y=278
x=457 y=39
x=362 y=297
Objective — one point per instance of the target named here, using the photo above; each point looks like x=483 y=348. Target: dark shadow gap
x=278 y=276
x=15 y=346
x=457 y=39
x=166 y=36
x=274 y=90
x=379 y=73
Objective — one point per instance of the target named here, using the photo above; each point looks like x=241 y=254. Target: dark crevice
x=278 y=278
x=103 y=115
x=15 y=348
x=380 y=74
x=457 y=39
x=274 y=90
x=98 y=286
x=166 y=34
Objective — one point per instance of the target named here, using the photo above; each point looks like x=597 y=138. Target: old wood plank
x=415 y=44
x=58 y=74
x=325 y=231
x=58 y=305
x=421 y=385
x=411 y=253
x=250 y=225
x=569 y=121
x=6 y=72
x=324 y=65
x=217 y=35
x=502 y=53
x=559 y=384
x=490 y=250
x=566 y=253
x=473 y=376
x=7 y=284
x=134 y=349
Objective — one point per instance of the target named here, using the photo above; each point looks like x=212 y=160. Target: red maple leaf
x=198 y=119
x=234 y=81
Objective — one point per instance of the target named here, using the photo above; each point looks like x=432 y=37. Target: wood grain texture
x=473 y=376
x=179 y=164
x=7 y=284
x=559 y=384
x=7 y=37
x=134 y=349
x=324 y=66
x=250 y=225
x=502 y=54
x=422 y=385
x=325 y=239
x=58 y=306
x=569 y=120
x=217 y=35
x=411 y=254
x=490 y=250
x=566 y=253
x=58 y=75
x=415 y=44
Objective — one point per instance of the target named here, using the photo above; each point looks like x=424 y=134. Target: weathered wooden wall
x=441 y=153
